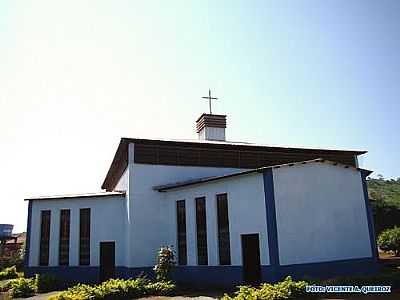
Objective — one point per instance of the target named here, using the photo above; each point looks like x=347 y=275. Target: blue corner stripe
x=28 y=234
x=370 y=218
x=271 y=219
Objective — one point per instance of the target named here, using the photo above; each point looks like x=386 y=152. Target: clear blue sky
x=76 y=76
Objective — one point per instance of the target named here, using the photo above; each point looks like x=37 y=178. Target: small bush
x=160 y=288
x=9 y=273
x=26 y=287
x=389 y=240
x=46 y=283
x=21 y=288
x=78 y=292
x=165 y=262
x=116 y=289
x=5 y=286
x=284 y=290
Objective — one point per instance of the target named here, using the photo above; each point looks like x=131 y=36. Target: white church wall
x=123 y=182
x=321 y=214
x=246 y=211
x=107 y=224
x=150 y=216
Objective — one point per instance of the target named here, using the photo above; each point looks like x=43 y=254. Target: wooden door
x=251 y=259
x=107 y=260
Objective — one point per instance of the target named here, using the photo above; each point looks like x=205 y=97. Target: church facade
x=233 y=212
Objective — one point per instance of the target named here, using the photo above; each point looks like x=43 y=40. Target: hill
x=386 y=192
x=385 y=201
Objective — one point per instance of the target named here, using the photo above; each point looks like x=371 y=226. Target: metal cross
x=209 y=99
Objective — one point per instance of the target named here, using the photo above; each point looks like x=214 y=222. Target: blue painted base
x=224 y=276
x=325 y=270
x=86 y=274
x=208 y=276
x=66 y=274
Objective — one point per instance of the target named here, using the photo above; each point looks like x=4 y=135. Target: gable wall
x=321 y=214
x=123 y=182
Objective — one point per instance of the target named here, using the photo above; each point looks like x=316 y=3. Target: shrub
x=286 y=289
x=5 y=286
x=9 y=273
x=21 y=288
x=26 y=287
x=116 y=289
x=389 y=240
x=160 y=288
x=165 y=261
x=46 y=283
x=78 y=292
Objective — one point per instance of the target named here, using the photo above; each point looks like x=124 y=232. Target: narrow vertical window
x=44 y=238
x=84 y=237
x=201 y=226
x=63 y=251
x=181 y=224
x=223 y=230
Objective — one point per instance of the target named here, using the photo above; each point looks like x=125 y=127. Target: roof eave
x=62 y=197
x=107 y=183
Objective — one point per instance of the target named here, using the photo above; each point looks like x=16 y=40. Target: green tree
x=389 y=240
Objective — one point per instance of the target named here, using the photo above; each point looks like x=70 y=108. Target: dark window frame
x=181 y=232
x=201 y=231
x=84 y=236
x=44 y=244
x=224 y=251
x=65 y=231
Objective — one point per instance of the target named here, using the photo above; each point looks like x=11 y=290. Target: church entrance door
x=251 y=259
x=107 y=260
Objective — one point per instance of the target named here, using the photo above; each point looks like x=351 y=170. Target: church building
x=233 y=212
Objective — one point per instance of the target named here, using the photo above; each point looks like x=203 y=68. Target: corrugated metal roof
x=235 y=143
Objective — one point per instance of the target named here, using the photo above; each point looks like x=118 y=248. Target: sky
x=76 y=76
